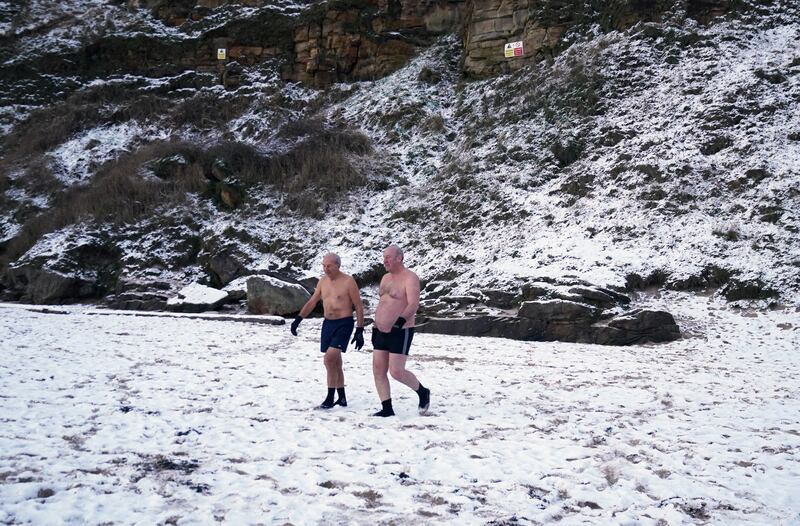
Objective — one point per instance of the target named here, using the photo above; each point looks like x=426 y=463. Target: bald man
x=394 y=330
x=340 y=296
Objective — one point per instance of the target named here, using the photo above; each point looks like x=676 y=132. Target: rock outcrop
x=65 y=268
x=43 y=286
x=365 y=39
x=640 y=326
x=353 y=40
x=269 y=295
x=565 y=310
x=540 y=26
x=143 y=301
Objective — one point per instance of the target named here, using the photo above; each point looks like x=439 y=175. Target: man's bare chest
x=334 y=294
x=392 y=289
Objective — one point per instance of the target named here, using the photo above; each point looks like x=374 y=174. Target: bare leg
x=380 y=366
x=397 y=368
x=340 y=377
x=333 y=367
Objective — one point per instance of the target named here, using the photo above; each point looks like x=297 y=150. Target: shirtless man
x=394 y=330
x=340 y=296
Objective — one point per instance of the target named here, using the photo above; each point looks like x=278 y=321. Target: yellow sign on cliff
x=513 y=49
x=222 y=53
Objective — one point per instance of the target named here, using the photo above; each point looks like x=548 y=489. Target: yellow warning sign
x=513 y=49
x=222 y=53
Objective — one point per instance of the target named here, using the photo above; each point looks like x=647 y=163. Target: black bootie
x=387 y=409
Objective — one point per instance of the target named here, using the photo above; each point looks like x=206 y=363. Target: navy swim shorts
x=336 y=333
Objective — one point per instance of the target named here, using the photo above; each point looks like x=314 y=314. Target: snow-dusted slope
x=647 y=192
x=665 y=153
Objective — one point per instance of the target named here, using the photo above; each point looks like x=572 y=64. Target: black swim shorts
x=396 y=342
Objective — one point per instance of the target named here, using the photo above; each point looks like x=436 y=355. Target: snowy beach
x=119 y=419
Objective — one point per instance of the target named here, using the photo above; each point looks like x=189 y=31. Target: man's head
x=393 y=258
x=330 y=264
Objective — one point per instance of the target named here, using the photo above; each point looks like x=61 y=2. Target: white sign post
x=513 y=49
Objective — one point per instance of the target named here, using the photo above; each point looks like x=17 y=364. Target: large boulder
x=558 y=311
x=45 y=286
x=224 y=267
x=197 y=298
x=270 y=295
x=144 y=301
x=64 y=267
x=561 y=320
x=638 y=326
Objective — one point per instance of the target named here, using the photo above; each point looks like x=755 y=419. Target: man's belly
x=333 y=313
x=387 y=314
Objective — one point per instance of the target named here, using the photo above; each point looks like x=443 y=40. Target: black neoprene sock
x=341 y=399
x=328 y=403
x=424 y=397
x=387 y=409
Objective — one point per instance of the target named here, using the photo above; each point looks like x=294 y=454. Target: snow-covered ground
x=119 y=419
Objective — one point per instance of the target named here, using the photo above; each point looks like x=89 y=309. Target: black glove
x=358 y=338
x=295 y=324
x=399 y=323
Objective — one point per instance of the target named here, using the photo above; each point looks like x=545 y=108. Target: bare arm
x=355 y=297
x=312 y=302
x=412 y=296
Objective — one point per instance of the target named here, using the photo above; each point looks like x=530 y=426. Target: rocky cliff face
x=367 y=39
x=337 y=41
x=352 y=40
x=541 y=24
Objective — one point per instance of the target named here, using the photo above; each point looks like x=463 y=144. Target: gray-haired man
x=340 y=296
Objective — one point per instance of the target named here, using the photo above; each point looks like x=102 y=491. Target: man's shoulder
x=410 y=274
x=342 y=280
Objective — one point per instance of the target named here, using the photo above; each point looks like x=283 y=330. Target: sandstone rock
x=268 y=295
x=534 y=291
x=365 y=39
x=368 y=39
